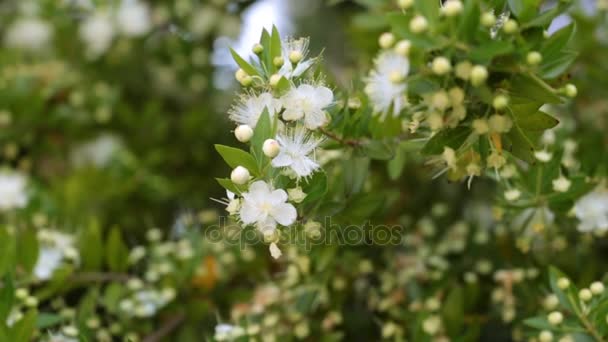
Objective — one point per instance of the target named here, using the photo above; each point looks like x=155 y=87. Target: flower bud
x=479 y=74
x=403 y=47
x=563 y=283
x=480 y=126
x=257 y=49
x=271 y=148
x=512 y=195
x=419 y=24
x=246 y=81
x=488 y=19
x=510 y=26
x=243 y=133
x=295 y=56
x=278 y=61
x=239 y=175
x=545 y=336
x=441 y=65
x=240 y=75
x=386 y=40
x=451 y=8
x=534 y=58
x=463 y=70
x=597 y=288
x=555 y=318
x=296 y=195
x=562 y=184
x=585 y=295
x=570 y=90
x=500 y=102
x=274 y=80
x=405 y=4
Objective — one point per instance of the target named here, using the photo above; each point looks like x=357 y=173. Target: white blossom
x=250 y=107
x=266 y=207
x=97 y=152
x=275 y=252
x=296 y=147
x=97 y=31
x=309 y=103
x=225 y=332
x=592 y=211
x=29 y=34
x=293 y=47
x=385 y=84
x=12 y=190
x=133 y=18
x=54 y=246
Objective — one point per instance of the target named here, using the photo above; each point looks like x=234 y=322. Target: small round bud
x=545 y=336
x=405 y=4
x=555 y=318
x=31 y=302
x=274 y=80
x=243 y=133
x=463 y=70
x=22 y=293
x=278 y=61
x=585 y=295
x=500 y=102
x=386 y=40
x=510 y=26
x=563 y=283
x=295 y=56
x=479 y=74
x=240 y=75
x=451 y=8
x=396 y=77
x=597 y=288
x=403 y=47
x=239 y=175
x=257 y=48
x=534 y=58
x=246 y=81
x=441 y=65
x=419 y=24
x=570 y=90
x=271 y=148
x=488 y=19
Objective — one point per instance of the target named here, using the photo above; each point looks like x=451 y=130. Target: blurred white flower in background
x=97 y=32
x=592 y=211
x=13 y=192
x=97 y=152
x=385 y=84
x=226 y=332
x=133 y=18
x=29 y=33
x=55 y=247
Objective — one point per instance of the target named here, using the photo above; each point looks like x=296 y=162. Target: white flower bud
x=555 y=318
x=500 y=102
x=543 y=156
x=585 y=295
x=570 y=90
x=510 y=26
x=403 y=47
x=479 y=74
x=419 y=24
x=405 y=4
x=561 y=184
x=512 y=194
x=441 y=65
x=456 y=95
x=488 y=19
x=31 y=301
x=451 y=8
x=70 y=331
x=563 y=283
x=257 y=48
x=240 y=75
x=243 y=133
x=240 y=175
x=246 y=81
x=22 y=293
x=386 y=40
x=534 y=58
x=500 y=123
x=271 y=148
x=274 y=80
x=545 y=336
x=463 y=70
x=431 y=325
x=296 y=195
x=597 y=288
x=295 y=56
x=480 y=126
x=278 y=61
x=275 y=252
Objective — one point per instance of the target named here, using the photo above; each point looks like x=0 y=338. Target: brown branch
x=350 y=142
x=166 y=329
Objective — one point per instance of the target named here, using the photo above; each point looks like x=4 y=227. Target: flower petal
x=281 y=160
x=284 y=213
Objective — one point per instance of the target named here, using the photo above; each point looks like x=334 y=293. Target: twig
x=166 y=329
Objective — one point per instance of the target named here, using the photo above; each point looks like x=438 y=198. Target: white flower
x=275 y=252
x=97 y=152
x=561 y=184
x=225 y=332
x=385 y=86
x=133 y=18
x=29 y=34
x=592 y=211
x=12 y=190
x=234 y=204
x=250 y=107
x=295 y=50
x=308 y=102
x=266 y=207
x=296 y=146
x=53 y=245
x=97 y=31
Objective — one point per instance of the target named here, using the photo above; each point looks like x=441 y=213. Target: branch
x=166 y=329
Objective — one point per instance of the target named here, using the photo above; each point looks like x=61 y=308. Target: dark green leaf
x=248 y=68
x=236 y=157
x=451 y=137
x=117 y=252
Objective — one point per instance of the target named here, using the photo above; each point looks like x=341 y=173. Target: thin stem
x=166 y=329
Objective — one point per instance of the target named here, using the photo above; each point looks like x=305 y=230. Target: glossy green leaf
x=451 y=137
x=117 y=252
x=236 y=157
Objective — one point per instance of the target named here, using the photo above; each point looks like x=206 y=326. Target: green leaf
x=529 y=87
x=230 y=186
x=263 y=130
x=469 y=20
x=91 y=252
x=484 y=53
x=524 y=9
x=27 y=249
x=24 y=329
x=429 y=9
x=248 y=68
x=451 y=137
x=452 y=311
x=7 y=251
x=378 y=150
x=7 y=296
x=355 y=171
x=537 y=121
x=400 y=25
x=539 y=322
x=568 y=297
x=236 y=157
x=117 y=252
x=275 y=43
x=48 y=320
x=315 y=188
x=556 y=55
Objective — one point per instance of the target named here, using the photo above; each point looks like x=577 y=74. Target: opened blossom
x=309 y=103
x=592 y=211
x=385 y=84
x=265 y=207
x=297 y=146
x=250 y=107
